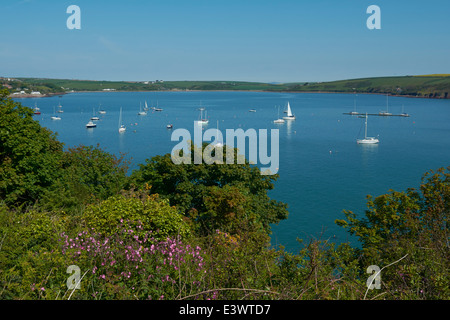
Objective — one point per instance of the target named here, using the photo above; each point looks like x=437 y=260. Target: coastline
x=27 y=96
x=49 y=95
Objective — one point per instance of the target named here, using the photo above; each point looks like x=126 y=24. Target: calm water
x=322 y=169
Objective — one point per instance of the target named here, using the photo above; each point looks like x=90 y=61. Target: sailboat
x=386 y=113
x=145 y=106
x=354 y=112
x=141 y=113
x=36 y=109
x=279 y=120
x=55 y=117
x=156 y=108
x=94 y=117
x=60 y=110
x=290 y=115
x=367 y=140
x=219 y=142
x=101 y=111
x=203 y=120
x=403 y=114
x=121 y=126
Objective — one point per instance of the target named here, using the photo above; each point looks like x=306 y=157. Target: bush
x=151 y=212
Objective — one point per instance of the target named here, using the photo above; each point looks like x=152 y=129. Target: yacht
x=91 y=124
x=367 y=140
x=279 y=120
x=94 y=117
x=202 y=120
x=121 y=125
x=404 y=114
x=142 y=113
x=36 y=109
x=289 y=114
x=386 y=113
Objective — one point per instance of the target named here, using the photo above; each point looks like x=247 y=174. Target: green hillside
x=431 y=86
x=427 y=86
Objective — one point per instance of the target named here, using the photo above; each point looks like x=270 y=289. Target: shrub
x=151 y=213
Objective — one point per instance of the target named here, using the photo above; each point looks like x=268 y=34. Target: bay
x=322 y=169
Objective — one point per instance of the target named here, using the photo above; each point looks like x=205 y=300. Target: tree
x=414 y=225
x=88 y=174
x=214 y=195
x=29 y=154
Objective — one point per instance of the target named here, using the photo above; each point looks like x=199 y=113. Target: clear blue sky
x=249 y=40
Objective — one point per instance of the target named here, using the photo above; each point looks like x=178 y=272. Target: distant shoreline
x=49 y=95
x=29 y=96
x=430 y=86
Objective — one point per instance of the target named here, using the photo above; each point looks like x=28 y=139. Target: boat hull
x=367 y=141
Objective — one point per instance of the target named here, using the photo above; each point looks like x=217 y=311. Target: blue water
x=322 y=168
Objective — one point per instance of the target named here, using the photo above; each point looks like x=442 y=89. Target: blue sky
x=248 y=40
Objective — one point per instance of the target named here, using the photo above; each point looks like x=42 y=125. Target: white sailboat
x=156 y=108
x=289 y=115
x=121 y=126
x=60 y=110
x=145 y=106
x=101 y=111
x=279 y=120
x=354 y=112
x=55 y=117
x=141 y=113
x=404 y=114
x=203 y=120
x=386 y=113
x=367 y=140
x=94 y=117
x=218 y=142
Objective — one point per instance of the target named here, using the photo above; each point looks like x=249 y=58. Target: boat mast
x=365 y=133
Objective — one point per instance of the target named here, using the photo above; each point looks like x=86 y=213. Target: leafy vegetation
x=194 y=231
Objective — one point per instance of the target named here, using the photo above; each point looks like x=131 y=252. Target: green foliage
x=413 y=225
x=194 y=231
x=118 y=212
x=30 y=263
x=29 y=154
x=87 y=174
x=432 y=86
x=215 y=196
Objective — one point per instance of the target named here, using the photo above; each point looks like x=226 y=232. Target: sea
x=322 y=170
